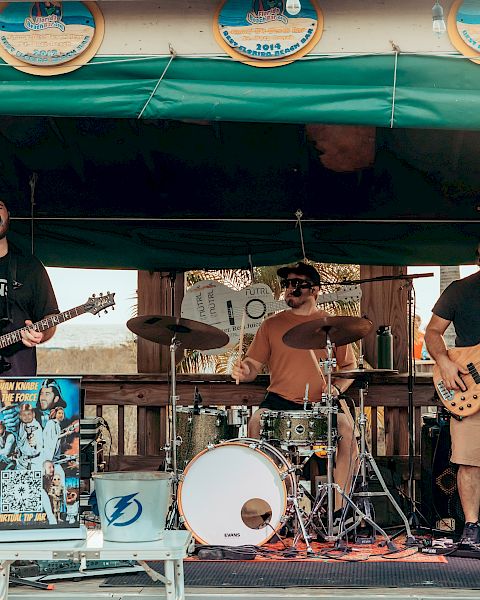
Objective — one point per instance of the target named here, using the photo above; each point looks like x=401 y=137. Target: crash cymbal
x=341 y=330
x=363 y=373
x=191 y=334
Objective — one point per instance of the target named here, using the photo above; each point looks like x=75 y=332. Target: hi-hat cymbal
x=191 y=334
x=341 y=330
x=363 y=373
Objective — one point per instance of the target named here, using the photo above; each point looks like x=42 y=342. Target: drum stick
x=315 y=360
x=240 y=345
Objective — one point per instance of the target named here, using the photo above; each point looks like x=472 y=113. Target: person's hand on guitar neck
x=246 y=370
x=31 y=337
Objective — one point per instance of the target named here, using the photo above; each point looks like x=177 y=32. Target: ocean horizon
x=85 y=336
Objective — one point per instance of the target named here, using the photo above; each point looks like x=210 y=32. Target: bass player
x=460 y=304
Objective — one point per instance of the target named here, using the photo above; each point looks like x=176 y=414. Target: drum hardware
x=326 y=332
x=176 y=332
x=360 y=479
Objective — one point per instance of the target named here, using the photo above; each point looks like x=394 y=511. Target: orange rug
x=279 y=551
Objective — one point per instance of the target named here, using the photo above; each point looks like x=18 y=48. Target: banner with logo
x=49 y=38
x=268 y=33
x=464 y=28
x=39 y=453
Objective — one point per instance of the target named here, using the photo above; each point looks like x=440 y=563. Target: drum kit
x=233 y=490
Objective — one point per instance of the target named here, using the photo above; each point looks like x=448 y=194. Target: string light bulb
x=293 y=7
x=438 y=25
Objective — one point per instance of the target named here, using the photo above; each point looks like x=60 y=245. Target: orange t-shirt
x=290 y=368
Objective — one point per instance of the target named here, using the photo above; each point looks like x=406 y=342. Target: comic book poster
x=39 y=453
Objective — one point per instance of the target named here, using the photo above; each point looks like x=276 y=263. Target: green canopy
x=161 y=162
x=388 y=90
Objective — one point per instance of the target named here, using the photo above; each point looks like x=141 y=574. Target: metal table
x=171 y=549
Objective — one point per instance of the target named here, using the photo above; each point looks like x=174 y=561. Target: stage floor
x=458 y=579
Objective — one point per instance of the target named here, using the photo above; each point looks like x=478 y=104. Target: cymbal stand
x=327 y=490
x=363 y=496
x=171 y=447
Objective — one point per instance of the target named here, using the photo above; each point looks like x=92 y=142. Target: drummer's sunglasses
x=296 y=283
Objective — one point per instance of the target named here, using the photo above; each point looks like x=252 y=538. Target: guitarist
x=26 y=295
x=291 y=369
x=460 y=304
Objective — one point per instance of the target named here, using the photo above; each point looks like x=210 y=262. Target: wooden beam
x=159 y=293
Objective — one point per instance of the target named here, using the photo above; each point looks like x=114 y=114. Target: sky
x=74 y=286
x=427 y=289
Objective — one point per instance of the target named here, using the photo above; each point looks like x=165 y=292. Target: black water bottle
x=384 y=347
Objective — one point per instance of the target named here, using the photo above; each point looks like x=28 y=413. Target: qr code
x=21 y=491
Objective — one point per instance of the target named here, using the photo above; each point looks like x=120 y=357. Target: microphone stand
x=408 y=285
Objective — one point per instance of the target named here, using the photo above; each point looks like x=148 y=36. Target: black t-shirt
x=460 y=303
x=32 y=298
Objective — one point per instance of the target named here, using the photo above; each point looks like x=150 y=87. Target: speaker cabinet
x=440 y=502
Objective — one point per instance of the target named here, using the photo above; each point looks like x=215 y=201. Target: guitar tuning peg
x=94 y=295
x=105 y=311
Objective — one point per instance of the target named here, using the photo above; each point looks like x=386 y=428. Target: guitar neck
x=7 y=339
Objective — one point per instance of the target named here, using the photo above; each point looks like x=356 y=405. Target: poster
x=39 y=453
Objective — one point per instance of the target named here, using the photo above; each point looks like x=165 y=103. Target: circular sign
x=43 y=38
x=268 y=33
x=464 y=27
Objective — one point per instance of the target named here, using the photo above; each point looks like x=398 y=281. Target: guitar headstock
x=96 y=304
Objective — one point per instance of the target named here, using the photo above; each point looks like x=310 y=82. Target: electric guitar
x=216 y=304
x=93 y=305
x=461 y=404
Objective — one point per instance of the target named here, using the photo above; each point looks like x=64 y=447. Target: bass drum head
x=231 y=495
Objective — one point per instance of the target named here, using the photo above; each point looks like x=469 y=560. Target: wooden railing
x=135 y=407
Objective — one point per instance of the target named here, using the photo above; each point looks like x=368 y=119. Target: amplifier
x=440 y=502
x=91 y=455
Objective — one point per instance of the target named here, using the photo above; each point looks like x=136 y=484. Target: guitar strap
x=11 y=284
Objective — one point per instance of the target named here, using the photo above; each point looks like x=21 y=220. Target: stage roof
x=208 y=168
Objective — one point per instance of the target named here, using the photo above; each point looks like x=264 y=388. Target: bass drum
x=235 y=493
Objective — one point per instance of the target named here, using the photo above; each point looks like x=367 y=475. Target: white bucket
x=133 y=506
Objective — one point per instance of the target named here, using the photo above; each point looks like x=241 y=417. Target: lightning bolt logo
x=121 y=504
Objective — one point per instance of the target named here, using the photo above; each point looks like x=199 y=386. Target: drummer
x=292 y=369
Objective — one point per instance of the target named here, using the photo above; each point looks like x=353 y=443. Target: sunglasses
x=296 y=283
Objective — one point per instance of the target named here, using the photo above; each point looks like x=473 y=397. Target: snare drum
x=196 y=429
x=305 y=428
x=235 y=493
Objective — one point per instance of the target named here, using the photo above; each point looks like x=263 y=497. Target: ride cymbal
x=191 y=334
x=340 y=330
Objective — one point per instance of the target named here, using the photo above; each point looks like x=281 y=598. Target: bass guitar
x=216 y=304
x=461 y=404
x=95 y=304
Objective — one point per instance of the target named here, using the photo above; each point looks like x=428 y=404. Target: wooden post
x=155 y=293
x=385 y=303
x=159 y=293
